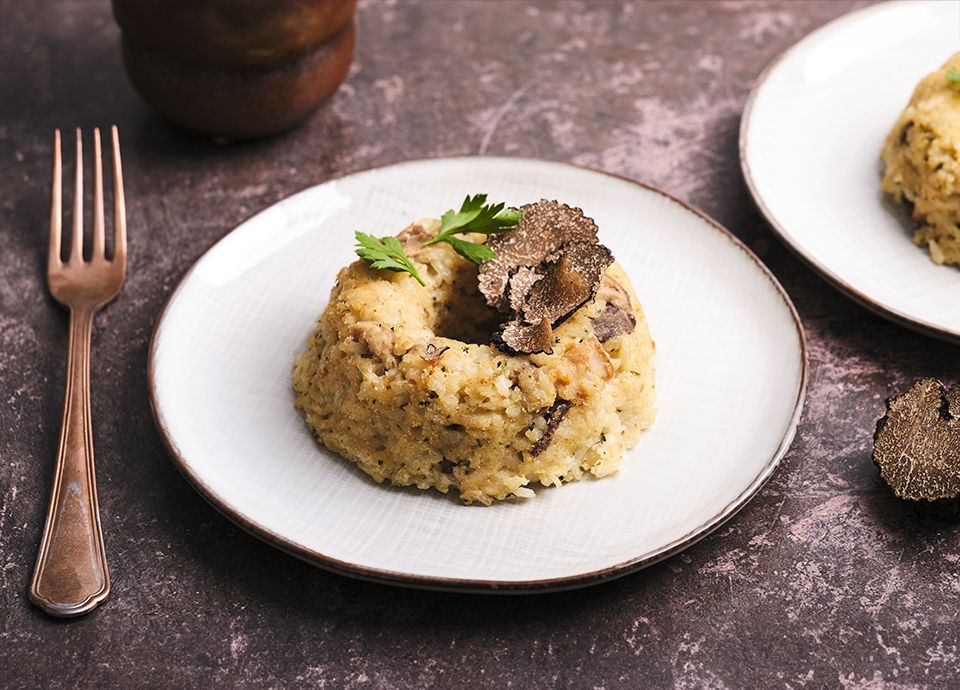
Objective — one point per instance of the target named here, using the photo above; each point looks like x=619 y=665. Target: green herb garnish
x=385 y=253
x=477 y=253
x=475 y=215
x=953 y=75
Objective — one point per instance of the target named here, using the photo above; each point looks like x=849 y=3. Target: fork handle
x=71 y=575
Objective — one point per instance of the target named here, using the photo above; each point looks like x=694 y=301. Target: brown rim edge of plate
x=489 y=586
x=898 y=317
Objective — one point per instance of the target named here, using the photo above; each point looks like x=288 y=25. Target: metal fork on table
x=71 y=575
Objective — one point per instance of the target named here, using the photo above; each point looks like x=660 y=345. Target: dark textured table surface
x=824 y=580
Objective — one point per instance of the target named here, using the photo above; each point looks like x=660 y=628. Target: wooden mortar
x=239 y=69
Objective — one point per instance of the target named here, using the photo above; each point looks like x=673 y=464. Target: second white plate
x=810 y=144
x=731 y=371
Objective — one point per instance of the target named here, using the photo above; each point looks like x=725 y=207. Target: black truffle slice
x=545 y=269
x=568 y=283
x=543 y=230
x=553 y=416
x=917 y=442
x=617 y=317
x=518 y=287
x=524 y=338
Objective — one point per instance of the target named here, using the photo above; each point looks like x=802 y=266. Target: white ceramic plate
x=810 y=144
x=731 y=373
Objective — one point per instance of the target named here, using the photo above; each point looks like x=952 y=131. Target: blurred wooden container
x=236 y=68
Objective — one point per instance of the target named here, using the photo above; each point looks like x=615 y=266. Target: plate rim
x=468 y=585
x=879 y=308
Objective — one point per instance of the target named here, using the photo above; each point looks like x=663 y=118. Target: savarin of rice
x=406 y=381
x=921 y=157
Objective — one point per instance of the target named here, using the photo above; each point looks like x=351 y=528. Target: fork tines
x=98 y=253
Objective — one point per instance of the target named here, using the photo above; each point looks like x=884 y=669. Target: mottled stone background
x=824 y=580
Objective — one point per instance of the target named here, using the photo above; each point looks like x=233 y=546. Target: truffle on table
x=917 y=442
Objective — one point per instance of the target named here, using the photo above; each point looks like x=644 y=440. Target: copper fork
x=71 y=575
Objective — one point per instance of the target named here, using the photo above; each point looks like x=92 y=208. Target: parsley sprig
x=475 y=215
x=385 y=253
x=953 y=75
